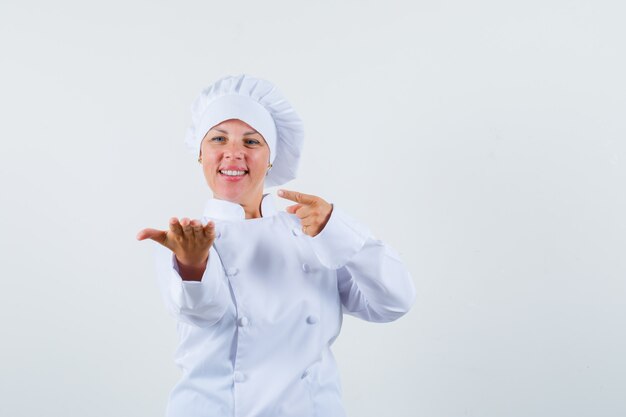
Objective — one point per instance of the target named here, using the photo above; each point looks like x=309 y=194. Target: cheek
x=209 y=165
x=260 y=162
x=262 y=158
x=210 y=158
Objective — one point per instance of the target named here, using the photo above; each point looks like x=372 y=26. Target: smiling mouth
x=232 y=173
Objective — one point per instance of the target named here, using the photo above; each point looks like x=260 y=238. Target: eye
x=218 y=139
x=252 y=142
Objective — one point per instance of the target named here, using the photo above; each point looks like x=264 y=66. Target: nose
x=233 y=153
x=238 y=156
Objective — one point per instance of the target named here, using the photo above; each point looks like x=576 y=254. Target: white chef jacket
x=255 y=332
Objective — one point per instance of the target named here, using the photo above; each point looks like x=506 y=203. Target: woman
x=259 y=294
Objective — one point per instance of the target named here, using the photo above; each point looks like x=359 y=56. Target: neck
x=253 y=211
x=251 y=206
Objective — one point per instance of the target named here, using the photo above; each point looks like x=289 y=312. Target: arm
x=373 y=282
x=202 y=297
x=198 y=302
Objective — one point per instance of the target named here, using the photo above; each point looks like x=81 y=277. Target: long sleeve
x=373 y=282
x=200 y=303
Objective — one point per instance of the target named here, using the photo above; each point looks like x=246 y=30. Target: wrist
x=190 y=270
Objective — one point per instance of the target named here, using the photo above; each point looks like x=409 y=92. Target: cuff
x=194 y=293
x=339 y=240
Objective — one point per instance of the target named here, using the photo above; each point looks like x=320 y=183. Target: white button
x=311 y=319
x=306 y=268
x=239 y=376
x=243 y=321
x=296 y=231
x=232 y=271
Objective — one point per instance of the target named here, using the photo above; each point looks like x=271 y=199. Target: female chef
x=258 y=294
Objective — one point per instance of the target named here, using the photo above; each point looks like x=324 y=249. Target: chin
x=235 y=193
x=231 y=194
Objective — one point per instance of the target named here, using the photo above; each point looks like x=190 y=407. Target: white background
x=484 y=140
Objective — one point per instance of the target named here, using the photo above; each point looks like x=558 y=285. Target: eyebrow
x=247 y=133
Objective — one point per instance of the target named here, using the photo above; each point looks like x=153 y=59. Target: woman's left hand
x=312 y=211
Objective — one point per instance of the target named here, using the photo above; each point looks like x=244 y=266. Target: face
x=235 y=160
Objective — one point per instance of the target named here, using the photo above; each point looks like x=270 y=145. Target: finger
x=209 y=230
x=293 y=209
x=198 y=231
x=307 y=229
x=186 y=225
x=158 y=236
x=175 y=227
x=303 y=212
x=297 y=197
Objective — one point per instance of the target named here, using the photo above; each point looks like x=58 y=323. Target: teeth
x=233 y=173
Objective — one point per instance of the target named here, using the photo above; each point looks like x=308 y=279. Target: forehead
x=234 y=125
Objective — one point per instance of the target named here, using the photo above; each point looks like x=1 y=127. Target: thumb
x=293 y=209
x=154 y=234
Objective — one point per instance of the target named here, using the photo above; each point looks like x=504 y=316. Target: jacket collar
x=216 y=209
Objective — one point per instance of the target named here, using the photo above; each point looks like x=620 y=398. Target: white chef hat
x=258 y=103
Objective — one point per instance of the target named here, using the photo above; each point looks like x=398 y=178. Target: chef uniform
x=255 y=332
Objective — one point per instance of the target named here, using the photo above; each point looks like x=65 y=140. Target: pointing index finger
x=296 y=196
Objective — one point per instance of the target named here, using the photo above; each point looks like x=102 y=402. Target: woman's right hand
x=188 y=239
